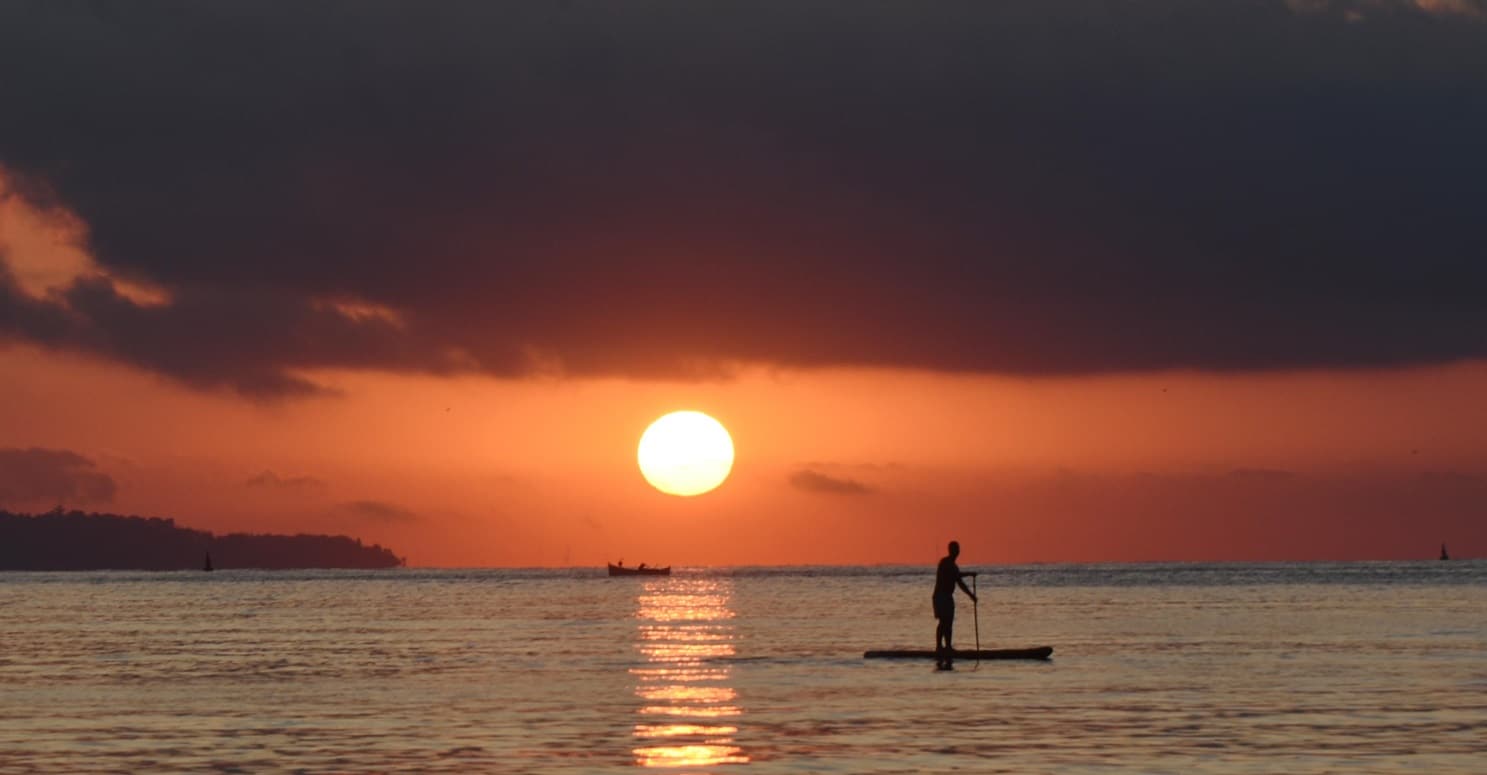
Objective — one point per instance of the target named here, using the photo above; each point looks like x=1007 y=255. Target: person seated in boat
x=947 y=577
x=642 y=566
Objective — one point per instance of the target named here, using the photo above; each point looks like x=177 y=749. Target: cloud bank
x=667 y=189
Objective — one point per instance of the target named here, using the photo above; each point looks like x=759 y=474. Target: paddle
x=976 y=617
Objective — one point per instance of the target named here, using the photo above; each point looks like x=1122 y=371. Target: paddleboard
x=1041 y=652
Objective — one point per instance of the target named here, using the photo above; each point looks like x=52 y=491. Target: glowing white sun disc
x=685 y=453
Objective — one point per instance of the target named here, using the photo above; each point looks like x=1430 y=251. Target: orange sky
x=478 y=471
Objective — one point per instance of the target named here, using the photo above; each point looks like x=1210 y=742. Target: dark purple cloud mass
x=51 y=477
x=661 y=188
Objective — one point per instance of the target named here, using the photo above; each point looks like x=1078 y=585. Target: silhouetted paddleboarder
x=947 y=577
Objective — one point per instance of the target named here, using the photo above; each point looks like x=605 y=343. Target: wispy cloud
x=817 y=482
x=378 y=511
x=270 y=480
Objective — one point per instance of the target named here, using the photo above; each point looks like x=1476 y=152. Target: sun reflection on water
x=684 y=633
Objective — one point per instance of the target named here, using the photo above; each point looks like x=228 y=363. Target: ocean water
x=1181 y=668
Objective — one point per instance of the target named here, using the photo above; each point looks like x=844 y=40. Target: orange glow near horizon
x=541 y=472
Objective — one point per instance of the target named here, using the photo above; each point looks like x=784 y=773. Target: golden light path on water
x=689 y=714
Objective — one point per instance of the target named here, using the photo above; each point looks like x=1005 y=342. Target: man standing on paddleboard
x=947 y=576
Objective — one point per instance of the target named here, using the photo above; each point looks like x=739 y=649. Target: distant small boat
x=208 y=565
x=1444 y=555
x=620 y=570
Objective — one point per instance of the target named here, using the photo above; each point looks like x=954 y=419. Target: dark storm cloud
x=54 y=476
x=1025 y=187
x=210 y=335
x=817 y=482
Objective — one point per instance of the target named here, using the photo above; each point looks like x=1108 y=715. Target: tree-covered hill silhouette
x=74 y=540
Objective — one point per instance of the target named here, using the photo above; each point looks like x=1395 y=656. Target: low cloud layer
x=670 y=188
x=49 y=477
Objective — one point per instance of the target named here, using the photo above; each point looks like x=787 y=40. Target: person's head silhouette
x=954 y=549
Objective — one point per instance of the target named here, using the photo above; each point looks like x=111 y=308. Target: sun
x=685 y=453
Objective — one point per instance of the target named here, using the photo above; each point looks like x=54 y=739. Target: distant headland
x=74 y=540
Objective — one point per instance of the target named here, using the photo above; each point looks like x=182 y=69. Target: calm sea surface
x=1277 y=668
